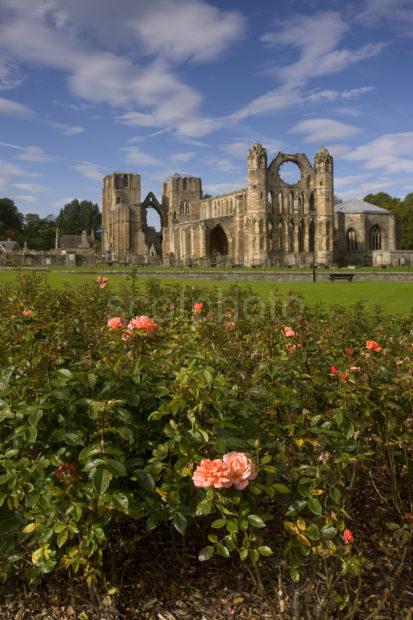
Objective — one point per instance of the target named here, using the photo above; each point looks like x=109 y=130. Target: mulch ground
x=155 y=583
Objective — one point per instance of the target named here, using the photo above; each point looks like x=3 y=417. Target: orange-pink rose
x=240 y=469
x=289 y=332
x=144 y=324
x=212 y=473
x=230 y=325
x=348 y=536
x=27 y=312
x=373 y=346
x=115 y=323
x=198 y=308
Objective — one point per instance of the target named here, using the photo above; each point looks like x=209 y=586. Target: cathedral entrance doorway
x=218 y=242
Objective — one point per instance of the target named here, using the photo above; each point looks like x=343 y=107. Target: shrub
x=104 y=424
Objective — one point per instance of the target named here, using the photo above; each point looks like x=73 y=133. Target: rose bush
x=136 y=408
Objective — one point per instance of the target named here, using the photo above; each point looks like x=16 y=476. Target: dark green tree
x=38 y=233
x=78 y=216
x=11 y=220
x=383 y=200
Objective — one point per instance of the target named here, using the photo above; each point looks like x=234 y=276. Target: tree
x=406 y=220
x=337 y=200
x=383 y=200
x=78 y=216
x=38 y=233
x=11 y=220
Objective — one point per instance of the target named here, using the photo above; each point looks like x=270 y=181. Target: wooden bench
x=341 y=276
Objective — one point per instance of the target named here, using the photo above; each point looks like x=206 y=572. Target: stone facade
x=270 y=222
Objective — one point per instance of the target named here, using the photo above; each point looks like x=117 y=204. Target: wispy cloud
x=14 y=108
x=10 y=75
x=34 y=188
x=89 y=171
x=324 y=129
x=181 y=157
x=390 y=152
x=68 y=130
x=136 y=157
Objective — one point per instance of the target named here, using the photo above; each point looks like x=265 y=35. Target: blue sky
x=164 y=86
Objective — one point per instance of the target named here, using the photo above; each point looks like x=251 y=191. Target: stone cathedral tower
x=255 y=237
x=121 y=214
x=324 y=205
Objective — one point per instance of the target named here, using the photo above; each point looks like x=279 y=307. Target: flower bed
x=257 y=423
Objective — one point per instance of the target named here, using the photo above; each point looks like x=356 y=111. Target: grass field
x=394 y=297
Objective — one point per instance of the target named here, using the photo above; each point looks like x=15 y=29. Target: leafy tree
x=38 y=233
x=78 y=216
x=11 y=220
x=406 y=220
x=383 y=200
x=337 y=200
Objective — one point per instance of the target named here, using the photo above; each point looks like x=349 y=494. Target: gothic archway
x=218 y=242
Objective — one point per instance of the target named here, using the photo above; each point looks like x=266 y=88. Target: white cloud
x=34 y=153
x=182 y=30
x=137 y=157
x=323 y=129
x=68 y=130
x=391 y=152
x=26 y=197
x=31 y=187
x=316 y=37
x=221 y=164
x=339 y=149
x=137 y=119
x=396 y=14
x=13 y=170
x=61 y=202
x=14 y=108
x=10 y=75
x=181 y=157
x=333 y=95
x=89 y=171
x=51 y=33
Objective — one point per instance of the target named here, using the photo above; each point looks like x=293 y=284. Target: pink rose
x=27 y=312
x=144 y=324
x=240 y=469
x=198 y=308
x=334 y=371
x=228 y=314
x=102 y=280
x=348 y=536
x=212 y=473
x=115 y=323
x=372 y=345
x=289 y=332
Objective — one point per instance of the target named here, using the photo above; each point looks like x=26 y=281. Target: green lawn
x=394 y=297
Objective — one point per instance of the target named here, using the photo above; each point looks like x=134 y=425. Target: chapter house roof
x=358 y=206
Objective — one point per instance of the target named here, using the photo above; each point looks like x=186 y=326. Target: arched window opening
x=301 y=236
x=351 y=237
x=153 y=219
x=312 y=202
x=184 y=207
x=328 y=229
x=291 y=234
x=280 y=237
x=281 y=202
x=311 y=236
x=375 y=238
x=291 y=201
x=218 y=242
x=184 y=183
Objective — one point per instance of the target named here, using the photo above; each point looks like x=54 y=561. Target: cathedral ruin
x=271 y=222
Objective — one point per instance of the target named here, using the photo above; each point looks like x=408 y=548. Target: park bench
x=341 y=276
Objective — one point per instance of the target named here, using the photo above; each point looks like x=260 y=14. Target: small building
x=74 y=244
x=9 y=247
x=361 y=229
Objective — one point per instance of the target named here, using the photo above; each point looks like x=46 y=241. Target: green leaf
x=232 y=527
x=338 y=418
x=314 y=505
x=312 y=532
x=266 y=459
x=62 y=538
x=180 y=522
x=265 y=550
x=222 y=550
x=101 y=480
x=206 y=554
x=256 y=521
x=328 y=532
x=218 y=524
x=121 y=501
x=145 y=480
x=65 y=373
x=116 y=467
x=5 y=478
x=243 y=554
x=281 y=488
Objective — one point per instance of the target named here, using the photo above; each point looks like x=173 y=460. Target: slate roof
x=10 y=246
x=359 y=206
x=72 y=241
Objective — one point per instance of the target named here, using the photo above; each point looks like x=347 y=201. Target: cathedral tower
x=324 y=205
x=255 y=243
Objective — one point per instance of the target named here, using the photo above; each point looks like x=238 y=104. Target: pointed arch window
x=312 y=202
x=375 y=238
x=352 y=242
x=311 y=237
x=301 y=236
x=291 y=235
